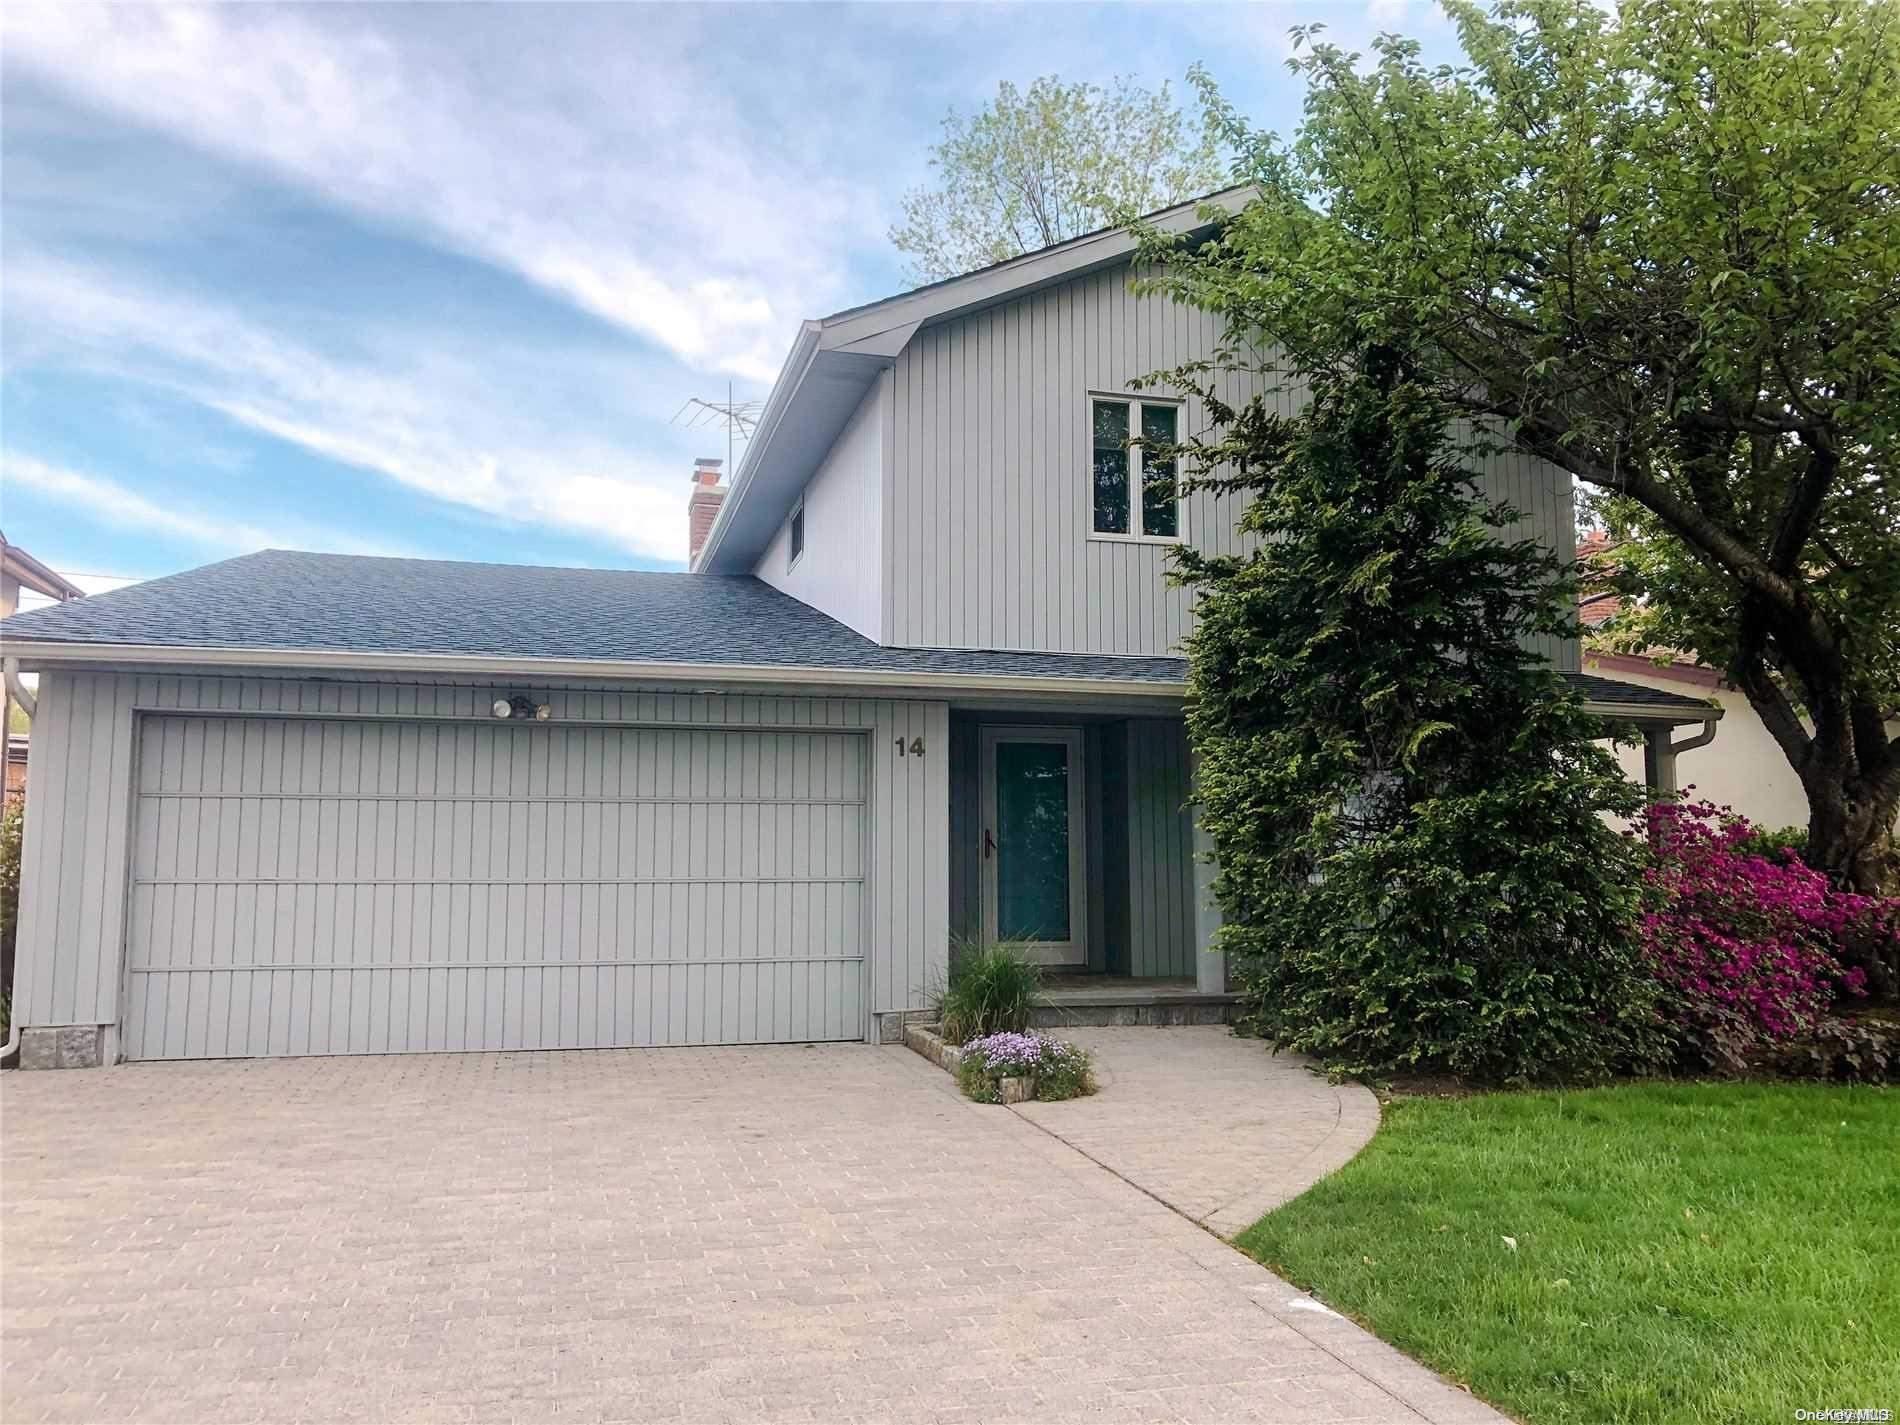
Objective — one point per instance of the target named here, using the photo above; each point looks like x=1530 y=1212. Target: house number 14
x=914 y=748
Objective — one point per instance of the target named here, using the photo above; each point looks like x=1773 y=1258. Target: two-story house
x=922 y=683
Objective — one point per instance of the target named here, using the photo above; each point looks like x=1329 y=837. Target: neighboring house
x=20 y=570
x=923 y=683
x=1745 y=767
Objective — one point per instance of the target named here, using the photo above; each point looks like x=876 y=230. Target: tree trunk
x=1846 y=837
x=1851 y=839
x=1850 y=813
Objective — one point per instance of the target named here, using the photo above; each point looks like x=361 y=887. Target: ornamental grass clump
x=993 y=989
x=1058 y=1068
x=1747 y=946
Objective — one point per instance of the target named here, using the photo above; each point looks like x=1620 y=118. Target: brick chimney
x=703 y=508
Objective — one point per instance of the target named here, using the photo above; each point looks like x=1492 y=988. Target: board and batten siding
x=841 y=571
x=79 y=858
x=1160 y=850
x=319 y=886
x=987 y=520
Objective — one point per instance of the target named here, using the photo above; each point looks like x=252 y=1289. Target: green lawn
x=1684 y=1252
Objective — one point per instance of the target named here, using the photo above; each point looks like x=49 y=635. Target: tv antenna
x=740 y=418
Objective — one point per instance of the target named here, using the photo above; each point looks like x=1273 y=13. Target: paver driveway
x=777 y=1234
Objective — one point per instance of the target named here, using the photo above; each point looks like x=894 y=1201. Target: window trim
x=795 y=537
x=1135 y=400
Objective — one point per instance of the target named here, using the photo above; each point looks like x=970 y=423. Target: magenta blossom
x=1745 y=942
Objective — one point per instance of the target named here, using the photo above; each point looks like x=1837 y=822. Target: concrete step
x=1107 y=1006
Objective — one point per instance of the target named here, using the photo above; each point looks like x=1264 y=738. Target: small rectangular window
x=798 y=535
x=1121 y=469
x=1160 y=510
x=1111 y=467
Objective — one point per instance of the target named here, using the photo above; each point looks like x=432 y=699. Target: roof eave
x=791 y=375
x=1679 y=715
x=36 y=655
x=1044 y=267
x=35 y=575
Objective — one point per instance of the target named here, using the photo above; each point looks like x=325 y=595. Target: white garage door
x=344 y=887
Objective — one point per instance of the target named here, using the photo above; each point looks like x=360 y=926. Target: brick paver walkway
x=1216 y=1127
x=795 y=1234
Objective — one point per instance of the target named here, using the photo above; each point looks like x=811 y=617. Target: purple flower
x=1011 y=1054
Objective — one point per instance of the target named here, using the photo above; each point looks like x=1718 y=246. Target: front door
x=1033 y=891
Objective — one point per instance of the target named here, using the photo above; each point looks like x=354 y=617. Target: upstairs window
x=1121 y=469
x=797 y=534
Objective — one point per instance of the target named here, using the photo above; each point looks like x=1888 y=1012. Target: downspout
x=1659 y=754
x=28 y=705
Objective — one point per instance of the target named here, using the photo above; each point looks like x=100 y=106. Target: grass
x=1683 y=1252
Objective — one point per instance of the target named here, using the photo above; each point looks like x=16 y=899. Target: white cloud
x=624 y=182
x=115 y=504
x=429 y=422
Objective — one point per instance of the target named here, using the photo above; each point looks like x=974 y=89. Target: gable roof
x=363 y=612
x=835 y=359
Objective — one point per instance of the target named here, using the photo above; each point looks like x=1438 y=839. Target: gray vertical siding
x=1546 y=503
x=83 y=804
x=1160 y=850
x=987 y=516
x=1118 y=888
x=302 y=886
x=988 y=513
x=966 y=831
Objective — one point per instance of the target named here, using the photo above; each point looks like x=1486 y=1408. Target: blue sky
x=434 y=279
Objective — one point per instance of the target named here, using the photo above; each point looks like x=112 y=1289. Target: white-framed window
x=796 y=539
x=1132 y=493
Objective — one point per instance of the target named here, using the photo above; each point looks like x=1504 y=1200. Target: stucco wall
x=1743 y=768
x=841 y=570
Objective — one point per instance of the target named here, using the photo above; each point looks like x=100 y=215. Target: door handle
x=989 y=844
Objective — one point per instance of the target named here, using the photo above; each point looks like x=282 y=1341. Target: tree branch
x=1771 y=704
x=1803 y=506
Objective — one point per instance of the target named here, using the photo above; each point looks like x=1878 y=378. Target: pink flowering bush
x=1746 y=945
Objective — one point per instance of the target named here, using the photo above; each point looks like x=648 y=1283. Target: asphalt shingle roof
x=282 y=599
x=1610 y=690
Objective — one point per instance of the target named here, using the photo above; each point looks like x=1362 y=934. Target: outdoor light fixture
x=522 y=708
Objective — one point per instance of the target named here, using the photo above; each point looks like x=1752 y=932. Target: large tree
x=1661 y=250
x=1039 y=166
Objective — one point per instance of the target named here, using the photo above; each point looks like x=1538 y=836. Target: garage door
x=343 y=887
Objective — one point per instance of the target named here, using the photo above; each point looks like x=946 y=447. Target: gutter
x=507 y=666
x=1691 y=711
x=37 y=576
x=515 y=666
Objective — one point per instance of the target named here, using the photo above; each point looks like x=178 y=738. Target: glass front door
x=1032 y=841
